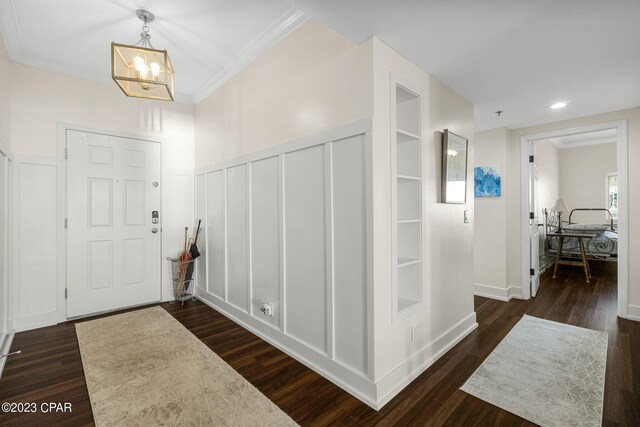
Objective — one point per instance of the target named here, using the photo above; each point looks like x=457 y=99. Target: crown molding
x=10 y=31
x=267 y=39
x=290 y=20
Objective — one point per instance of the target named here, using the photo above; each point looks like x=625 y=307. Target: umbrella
x=193 y=254
x=183 y=266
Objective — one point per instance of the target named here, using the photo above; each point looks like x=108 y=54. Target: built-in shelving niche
x=406 y=197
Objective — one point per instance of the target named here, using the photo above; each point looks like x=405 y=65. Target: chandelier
x=140 y=70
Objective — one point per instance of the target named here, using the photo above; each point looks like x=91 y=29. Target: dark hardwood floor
x=50 y=370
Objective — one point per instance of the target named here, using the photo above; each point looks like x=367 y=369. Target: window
x=612 y=194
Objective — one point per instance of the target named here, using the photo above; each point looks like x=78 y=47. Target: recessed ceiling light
x=558 y=105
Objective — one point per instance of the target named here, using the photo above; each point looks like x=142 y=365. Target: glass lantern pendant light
x=140 y=70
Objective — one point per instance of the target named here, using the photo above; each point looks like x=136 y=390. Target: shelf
x=407 y=178
x=404 y=95
x=408 y=221
x=404 y=136
x=404 y=262
x=405 y=303
x=407 y=186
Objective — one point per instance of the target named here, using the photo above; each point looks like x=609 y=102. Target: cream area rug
x=145 y=368
x=546 y=372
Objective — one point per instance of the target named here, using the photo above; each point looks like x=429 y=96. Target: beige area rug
x=546 y=372
x=145 y=368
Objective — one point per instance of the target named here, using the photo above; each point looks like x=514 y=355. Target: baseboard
x=351 y=381
x=375 y=395
x=396 y=380
x=514 y=292
x=5 y=348
x=492 y=292
x=633 y=313
x=28 y=327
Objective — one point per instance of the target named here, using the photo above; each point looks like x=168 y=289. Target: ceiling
x=608 y=136
x=517 y=56
x=207 y=40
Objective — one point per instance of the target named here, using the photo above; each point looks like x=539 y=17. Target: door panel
x=133 y=261
x=113 y=257
x=534 y=237
x=134 y=202
x=100 y=261
x=100 y=202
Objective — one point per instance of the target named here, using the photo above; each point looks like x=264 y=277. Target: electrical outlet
x=413 y=333
x=266 y=309
x=466 y=217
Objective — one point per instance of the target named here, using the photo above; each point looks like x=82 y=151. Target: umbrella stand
x=180 y=282
x=182 y=267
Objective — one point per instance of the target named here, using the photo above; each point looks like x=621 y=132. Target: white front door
x=534 y=234
x=113 y=246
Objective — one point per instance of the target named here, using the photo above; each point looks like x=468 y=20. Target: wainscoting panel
x=305 y=240
x=349 y=250
x=237 y=254
x=290 y=226
x=5 y=233
x=215 y=233
x=35 y=240
x=265 y=239
x=201 y=213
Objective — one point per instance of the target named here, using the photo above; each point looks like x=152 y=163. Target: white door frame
x=623 y=197
x=62 y=200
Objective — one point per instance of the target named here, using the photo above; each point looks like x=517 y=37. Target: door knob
x=154 y=230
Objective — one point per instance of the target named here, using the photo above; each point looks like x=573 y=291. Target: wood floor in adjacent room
x=50 y=370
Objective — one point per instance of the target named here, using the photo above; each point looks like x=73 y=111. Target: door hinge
x=531 y=215
x=532 y=272
x=66 y=153
x=66 y=223
x=531 y=159
x=65 y=293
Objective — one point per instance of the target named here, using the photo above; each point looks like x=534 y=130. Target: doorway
x=113 y=199
x=533 y=205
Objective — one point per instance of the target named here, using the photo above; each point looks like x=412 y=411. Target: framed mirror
x=454 y=168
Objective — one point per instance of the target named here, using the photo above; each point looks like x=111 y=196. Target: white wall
x=6 y=323
x=289 y=228
x=5 y=99
x=40 y=101
x=312 y=80
x=5 y=290
x=513 y=209
x=303 y=212
x=490 y=230
x=583 y=172
x=448 y=313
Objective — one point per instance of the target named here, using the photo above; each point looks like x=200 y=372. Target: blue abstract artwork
x=486 y=181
